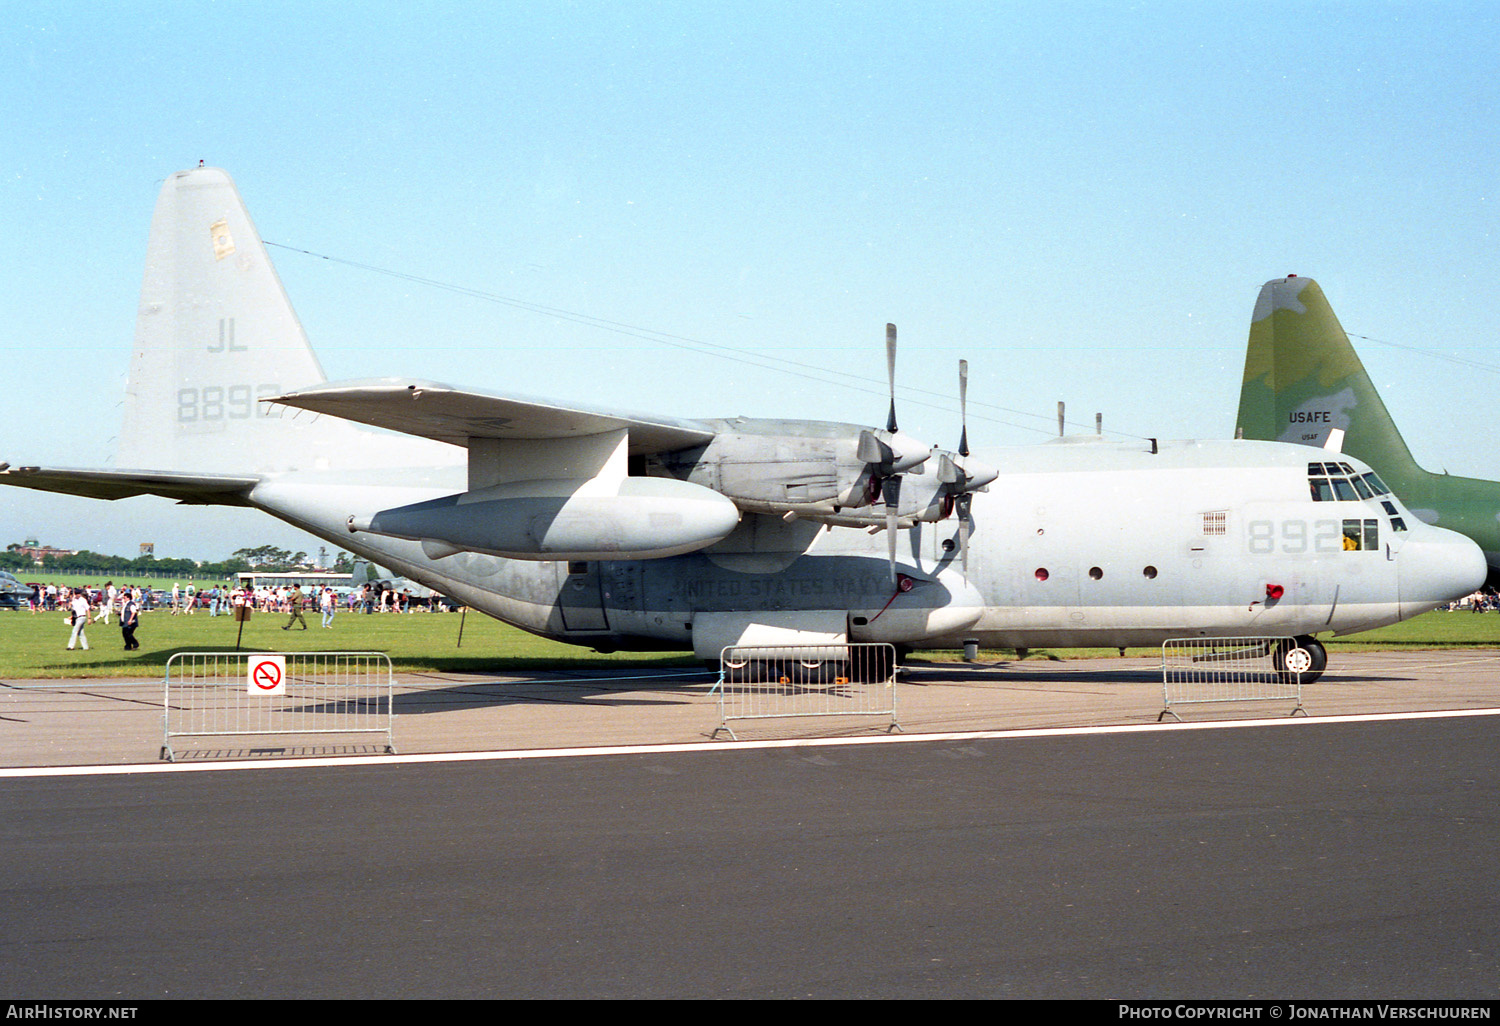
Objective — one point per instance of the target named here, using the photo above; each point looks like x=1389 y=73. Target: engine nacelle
x=634 y=518
x=806 y=467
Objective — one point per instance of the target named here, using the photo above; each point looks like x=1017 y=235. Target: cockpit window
x=1340 y=482
x=1361 y=536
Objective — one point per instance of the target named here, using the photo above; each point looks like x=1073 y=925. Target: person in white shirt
x=80 y=607
x=107 y=605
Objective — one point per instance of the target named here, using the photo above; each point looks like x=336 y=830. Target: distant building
x=37 y=553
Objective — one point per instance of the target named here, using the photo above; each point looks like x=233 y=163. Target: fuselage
x=1078 y=543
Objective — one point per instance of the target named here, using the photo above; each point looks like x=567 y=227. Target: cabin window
x=1361 y=535
x=1216 y=522
x=1041 y=573
x=1096 y=573
x=1149 y=573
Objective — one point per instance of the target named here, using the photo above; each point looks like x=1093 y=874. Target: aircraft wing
x=453 y=415
x=191 y=488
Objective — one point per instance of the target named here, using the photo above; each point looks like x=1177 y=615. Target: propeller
x=962 y=477
x=890 y=454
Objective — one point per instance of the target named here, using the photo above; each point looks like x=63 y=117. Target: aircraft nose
x=1438 y=566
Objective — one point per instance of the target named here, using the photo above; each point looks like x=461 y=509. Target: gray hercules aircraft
x=633 y=531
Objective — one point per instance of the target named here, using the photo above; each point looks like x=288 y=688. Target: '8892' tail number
x=221 y=402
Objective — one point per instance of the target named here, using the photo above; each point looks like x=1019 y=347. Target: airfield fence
x=1214 y=670
x=215 y=694
x=790 y=682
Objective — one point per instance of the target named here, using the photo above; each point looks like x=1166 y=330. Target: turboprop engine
x=803 y=467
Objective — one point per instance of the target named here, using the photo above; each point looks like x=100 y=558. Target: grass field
x=34 y=646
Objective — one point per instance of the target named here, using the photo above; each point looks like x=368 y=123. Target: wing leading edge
x=447 y=414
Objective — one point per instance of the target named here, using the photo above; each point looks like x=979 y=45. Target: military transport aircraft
x=1304 y=383
x=636 y=531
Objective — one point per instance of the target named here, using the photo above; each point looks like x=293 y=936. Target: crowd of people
x=1482 y=601
x=85 y=605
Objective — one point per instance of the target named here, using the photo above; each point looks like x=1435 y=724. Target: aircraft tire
x=1305 y=659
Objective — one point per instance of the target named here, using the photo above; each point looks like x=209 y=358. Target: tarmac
x=109 y=722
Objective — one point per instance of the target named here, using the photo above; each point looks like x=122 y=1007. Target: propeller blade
x=890 y=530
x=962 y=504
x=890 y=366
x=948 y=471
x=890 y=490
x=963 y=407
x=872 y=450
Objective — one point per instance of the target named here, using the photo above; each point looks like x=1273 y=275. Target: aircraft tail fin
x=1304 y=383
x=215 y=333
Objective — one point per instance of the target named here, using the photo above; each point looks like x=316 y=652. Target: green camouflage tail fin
x=1303 y=382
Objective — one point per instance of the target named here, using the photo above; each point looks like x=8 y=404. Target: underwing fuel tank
x=633 y=518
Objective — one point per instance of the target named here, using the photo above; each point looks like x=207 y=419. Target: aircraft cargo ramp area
x=112 y=722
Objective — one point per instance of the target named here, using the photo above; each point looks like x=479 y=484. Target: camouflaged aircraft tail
x=1303 y=382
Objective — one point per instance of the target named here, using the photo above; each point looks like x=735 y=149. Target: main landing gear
x=1303 y=658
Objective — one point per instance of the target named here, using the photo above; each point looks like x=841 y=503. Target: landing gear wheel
x=1303 y=659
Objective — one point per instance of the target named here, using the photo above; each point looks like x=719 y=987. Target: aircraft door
x=579 y=597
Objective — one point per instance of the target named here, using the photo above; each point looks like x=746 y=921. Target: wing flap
x=194 y=489
x=452 y=415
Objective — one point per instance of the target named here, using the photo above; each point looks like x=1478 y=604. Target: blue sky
x=1080 y=199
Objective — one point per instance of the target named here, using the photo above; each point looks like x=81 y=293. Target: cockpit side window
x=1373 y=480
x=1361 y=535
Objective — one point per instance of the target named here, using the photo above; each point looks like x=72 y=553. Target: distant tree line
x=265 y=558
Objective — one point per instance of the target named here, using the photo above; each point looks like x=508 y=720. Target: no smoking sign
x=266 y=675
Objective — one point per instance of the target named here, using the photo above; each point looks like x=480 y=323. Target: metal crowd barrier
x=1213 y=670
x=234 y=694
x=781 y=682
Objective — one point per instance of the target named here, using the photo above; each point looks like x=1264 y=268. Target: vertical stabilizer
x=1303 y=381
x=214 y=334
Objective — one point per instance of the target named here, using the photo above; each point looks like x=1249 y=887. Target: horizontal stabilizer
x=454 y=415
x=195 y=489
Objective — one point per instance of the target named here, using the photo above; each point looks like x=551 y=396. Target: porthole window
x=1041 y=573
x=1150 y=573
x=1096 y=573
